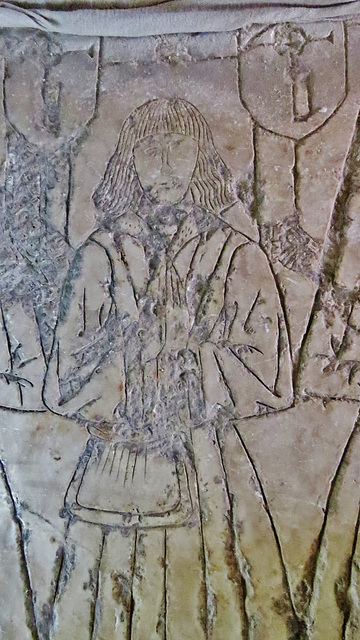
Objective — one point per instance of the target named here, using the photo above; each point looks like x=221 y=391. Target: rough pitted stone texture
x=179 y=332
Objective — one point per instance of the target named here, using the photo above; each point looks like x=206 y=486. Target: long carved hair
x=211 y=185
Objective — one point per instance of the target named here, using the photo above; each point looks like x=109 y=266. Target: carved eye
x=175 y=143
x=151 y=151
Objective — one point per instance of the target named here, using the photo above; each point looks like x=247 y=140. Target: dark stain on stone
x=203 y=613
x=341 y=589
x=234 y=573
x=304 y=588
x=121 y=590
x=240 y=527
x=283 y=607
x=161 y=624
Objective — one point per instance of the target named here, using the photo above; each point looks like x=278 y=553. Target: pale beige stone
x=2 y=115
x=14 y=621
x=307 y=443
x=179 y=346
x=332 y=598
x=321 y=161
x=275 y=176
x=349 y=268
x=151 y=584
x=225 y=615
x=186 y=584
x=171 y=48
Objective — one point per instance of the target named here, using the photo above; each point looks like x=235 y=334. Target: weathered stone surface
x=179 y=334
x=156 y=17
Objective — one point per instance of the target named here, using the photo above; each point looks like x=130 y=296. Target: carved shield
x=293 y=77
x=50 y=88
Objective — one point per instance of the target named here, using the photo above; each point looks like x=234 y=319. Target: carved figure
x=170 y=324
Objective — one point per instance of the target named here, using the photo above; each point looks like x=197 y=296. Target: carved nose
x=166 y=167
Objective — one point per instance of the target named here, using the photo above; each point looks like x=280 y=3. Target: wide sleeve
x=246 y=360
x=84 y=336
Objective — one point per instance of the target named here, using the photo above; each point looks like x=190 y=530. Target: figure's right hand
x=12 y=378
x=18 y=392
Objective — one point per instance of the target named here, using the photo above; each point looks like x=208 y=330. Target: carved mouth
x=170 y=184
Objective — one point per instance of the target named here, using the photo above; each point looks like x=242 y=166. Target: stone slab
x=179 y=323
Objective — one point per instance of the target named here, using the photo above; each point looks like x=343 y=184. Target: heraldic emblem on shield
x=282 y=70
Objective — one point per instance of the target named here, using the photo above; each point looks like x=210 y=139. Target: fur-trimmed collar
x=195 y=221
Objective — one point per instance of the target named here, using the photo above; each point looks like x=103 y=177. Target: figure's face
x=165 y=163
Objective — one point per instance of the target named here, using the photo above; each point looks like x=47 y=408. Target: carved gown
x=164 y=328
